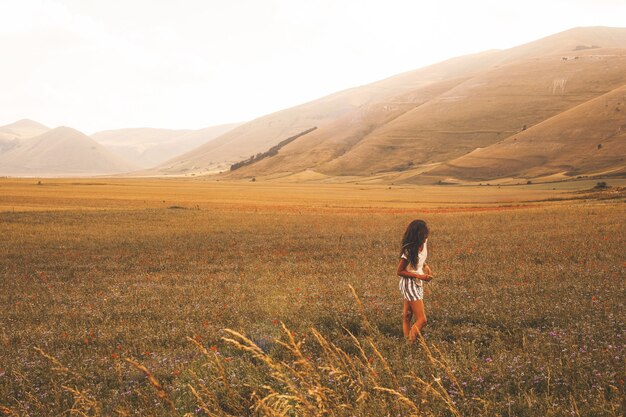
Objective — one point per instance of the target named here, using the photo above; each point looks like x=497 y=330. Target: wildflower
x=488 y=360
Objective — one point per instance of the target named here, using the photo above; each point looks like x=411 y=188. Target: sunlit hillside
x=429 y=126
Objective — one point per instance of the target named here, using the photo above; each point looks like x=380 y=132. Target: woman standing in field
x=413 y=272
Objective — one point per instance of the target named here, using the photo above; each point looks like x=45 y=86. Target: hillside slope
x=528 y=112
x=586 y=140
x=147 y=147
x=22 y=129
x=485 y=110
x=335 y=139
x=468 y=114
x=12 y=134
x=61 y=151
x=474 y=112
x=261 y=134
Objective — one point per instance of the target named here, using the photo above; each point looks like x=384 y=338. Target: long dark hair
x=413 y=239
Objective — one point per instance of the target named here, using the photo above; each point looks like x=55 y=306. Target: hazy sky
x=105 y=64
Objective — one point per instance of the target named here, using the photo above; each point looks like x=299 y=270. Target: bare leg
x=417 y=307
x=407 y=315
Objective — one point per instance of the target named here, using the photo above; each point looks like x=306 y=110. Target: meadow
x=152 y=298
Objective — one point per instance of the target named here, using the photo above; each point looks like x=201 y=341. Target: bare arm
x=402 y=271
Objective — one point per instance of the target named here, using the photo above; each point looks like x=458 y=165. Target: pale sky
x=108 y=64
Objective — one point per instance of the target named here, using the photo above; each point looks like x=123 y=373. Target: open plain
x=193 y=297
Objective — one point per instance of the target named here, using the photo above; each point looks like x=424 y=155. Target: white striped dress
x=412 y=289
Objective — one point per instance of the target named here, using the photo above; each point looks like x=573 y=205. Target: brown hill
x=22 y=129
x=261 y=134
x=484 y=110
x=425 y=128
x=586 y=140
x=12 y=134
x=147 y=147
x=60 y=152
x=339 y=137
x=568 y=42
x=474 y=113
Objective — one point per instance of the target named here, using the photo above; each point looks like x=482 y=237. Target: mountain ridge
x=21 y=129
x=148 y=147
x=62 y=151
x=470 y=118
x=557 y=81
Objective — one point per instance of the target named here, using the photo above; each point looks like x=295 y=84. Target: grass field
x=153 y=297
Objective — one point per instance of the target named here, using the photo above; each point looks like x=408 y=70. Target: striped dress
x=412 y=289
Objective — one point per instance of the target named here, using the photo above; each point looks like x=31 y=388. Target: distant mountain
x=147 y=147
x=549 y=109
x=423 y=133
x=12 y=134
x=60 y=152
x=22 y=129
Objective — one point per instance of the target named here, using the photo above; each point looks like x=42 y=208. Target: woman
x=413 y=272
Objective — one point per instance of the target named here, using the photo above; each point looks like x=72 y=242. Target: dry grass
x=247 y=310
x=122 y=194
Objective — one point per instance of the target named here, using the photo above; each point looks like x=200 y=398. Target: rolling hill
x=22 y=129
x=585 y=140
x=484 y=110
x=548 y=109
x=12 y=134
x=147 y=147
x=261 y=134
x=415 y=123
x=60 y=152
